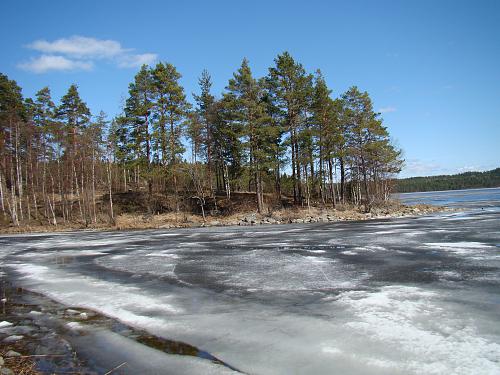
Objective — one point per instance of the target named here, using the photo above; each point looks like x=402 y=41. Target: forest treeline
x=282 y=135
x=467 y=180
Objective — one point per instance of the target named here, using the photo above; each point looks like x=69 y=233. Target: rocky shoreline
x=277 y=217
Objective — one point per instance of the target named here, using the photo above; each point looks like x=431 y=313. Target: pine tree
x=368 y=142
x=323 y=131
x=44 y=118
x=245 y=99
x=138 y=118
x=205 y=109
x=170 y=110
x=290 y=88
x=74 y=116
x=12 y=114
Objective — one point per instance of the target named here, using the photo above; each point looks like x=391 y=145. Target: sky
x=432 y=68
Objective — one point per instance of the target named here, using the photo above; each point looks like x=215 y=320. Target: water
x=417 y=295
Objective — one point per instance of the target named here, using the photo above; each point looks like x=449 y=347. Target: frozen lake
x=416 y=295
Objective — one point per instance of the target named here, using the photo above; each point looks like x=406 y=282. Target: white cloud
x=80 y=47
x=81 y=53
x=132 y=61
x=417 y=167
x=387 y=109
x=476 y=168
x=45 y=63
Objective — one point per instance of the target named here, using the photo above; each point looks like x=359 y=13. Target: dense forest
x=467 y=180
x=278 y=136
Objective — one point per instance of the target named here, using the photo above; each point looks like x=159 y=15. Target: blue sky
x=431 y=67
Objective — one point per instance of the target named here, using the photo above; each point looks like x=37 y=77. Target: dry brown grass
x=231 y=214
x=22 y=365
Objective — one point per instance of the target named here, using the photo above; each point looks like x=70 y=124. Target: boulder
x=13 y=338
x=12 y=353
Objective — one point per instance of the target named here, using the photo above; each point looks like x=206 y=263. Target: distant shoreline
x=461 y=181
x=445 y=191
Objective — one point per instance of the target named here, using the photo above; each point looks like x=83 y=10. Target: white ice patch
x=349 y=252
x=83 y=291
x=386 y=232
x=414 y=233
x=75 y=326
x=411 y=322
x=461 y=248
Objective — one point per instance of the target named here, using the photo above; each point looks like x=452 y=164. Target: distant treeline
x=467 y=180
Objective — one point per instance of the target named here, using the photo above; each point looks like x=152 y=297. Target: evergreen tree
x=45 y=121
x=138 y=107
x=75 y=115
x=326 y=134
x=12 y=114
x=245 y=100
x=170 y=110
x=205 y=103
x=290 y=89
x=367 y=140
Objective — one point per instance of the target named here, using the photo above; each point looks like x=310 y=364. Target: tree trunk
x=342 y=180
x=111 y=213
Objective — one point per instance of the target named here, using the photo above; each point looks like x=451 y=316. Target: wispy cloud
x=477 y=168
x=80 y=47
x=387 y=109
x=45 y=63
x=81 y=53
x=417 y=167
x=130 y=61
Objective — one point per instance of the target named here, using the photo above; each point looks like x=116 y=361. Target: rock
x=74 y=326
x=23 y=330
x=2 y=362
x=215 y=223
x=72 y=312
x=12 y=353
x=252 y=219
x=13 y=338
x=4 y=324
x=6 y=371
